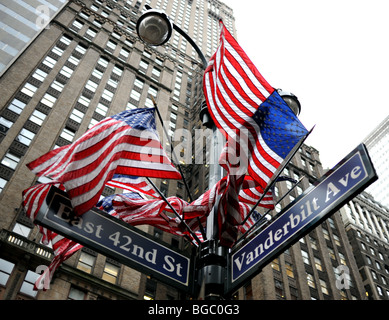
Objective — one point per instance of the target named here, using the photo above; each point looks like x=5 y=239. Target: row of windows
x=6 y=269
x=85 y=263
x=11 y=159
x=367 y=220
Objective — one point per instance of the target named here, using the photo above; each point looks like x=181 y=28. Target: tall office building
x=20 y=23
x=367 y=227
x=89 y=64
x=377 y=142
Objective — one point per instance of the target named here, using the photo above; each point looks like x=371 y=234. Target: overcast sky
x=333 y=55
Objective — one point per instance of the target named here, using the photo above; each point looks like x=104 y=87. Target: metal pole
x=212 y=257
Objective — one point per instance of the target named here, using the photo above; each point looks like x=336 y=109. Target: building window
x=326 y=234
x=39 y=75
x=5 y=125
x=25 y=136
x=3 y=182
x=6 y=268
x=10 y=160
x=29 y=89
x=48 y=100
x=28 y=284
x=107 y=95
x=68 y=134
x=66 y=71
x=86 y=262
x=156 y=73
x=117 y=70
x=310 y=280
x=77 y=115
x=76 y=294
x=324 y=287
x=101 y=109
x=49 y=62
x=289 y=270
x=305 y=257
x=143 y=66
x=343 y=295
x=279 y=288
x=16 y=106
x=21 y=229
x=135 y=95
x=37 y=117
x=151 y=288
x=276 y=264
x=342 y=258
x=91 y=33
x=110 y=272
x=318 y=264
x=336 y=240
x=313 y=243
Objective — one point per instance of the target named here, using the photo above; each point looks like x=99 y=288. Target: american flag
x=241 y=102
x=123 y=144
x=33 y=198
x=257 y=122
x=132 y=183
x=63 y=248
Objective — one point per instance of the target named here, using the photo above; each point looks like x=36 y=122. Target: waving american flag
x=124 y=144
x=259 y=125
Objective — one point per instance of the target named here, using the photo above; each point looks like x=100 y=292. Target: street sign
x=353 y=174
x=116 y=239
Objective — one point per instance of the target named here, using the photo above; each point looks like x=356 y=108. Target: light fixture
x=291 y=100
x=154 y=27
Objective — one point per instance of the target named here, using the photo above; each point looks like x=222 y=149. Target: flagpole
x=174 y=210
x=246 y=234
x=172 y=150
x=178 y=164
x=273 y=179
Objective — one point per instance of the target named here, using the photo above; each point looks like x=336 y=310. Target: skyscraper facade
x=377 y=142
x=21 y=22
x=87 y=64
x=367 y=226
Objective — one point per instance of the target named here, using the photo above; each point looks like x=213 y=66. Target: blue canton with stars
x=106 y=203
x=141 y=119
x=279 y=126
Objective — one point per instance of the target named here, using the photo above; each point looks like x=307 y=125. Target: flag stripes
x=126 y=144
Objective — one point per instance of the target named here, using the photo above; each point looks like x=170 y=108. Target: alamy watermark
x=43 y=281
x=343 y=279
x=43 y=19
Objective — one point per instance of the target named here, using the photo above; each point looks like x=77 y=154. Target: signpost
x=117 y=239
x=338 y=186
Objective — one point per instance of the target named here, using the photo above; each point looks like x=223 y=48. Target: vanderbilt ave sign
x=338 y=186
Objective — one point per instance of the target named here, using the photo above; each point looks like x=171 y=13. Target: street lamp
x=291 y=100
x=154 y=27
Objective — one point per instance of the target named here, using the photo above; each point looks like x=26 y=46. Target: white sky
x=332 y=54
